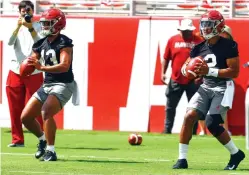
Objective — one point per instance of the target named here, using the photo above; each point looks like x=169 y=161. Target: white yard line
x=17 y=154
x=91 y=157
x=107 y=158
x=94 y=157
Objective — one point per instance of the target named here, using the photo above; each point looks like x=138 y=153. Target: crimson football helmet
x=212 y=24
x=52 y=21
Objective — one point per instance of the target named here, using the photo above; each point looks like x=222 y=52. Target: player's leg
x=173 y=94
x=202 y=127
x=197 y=108
x=31 y=111
x=51 y=107
x=15 y=92
x=214 y=119
x=29 y=114
x=226 y=126
x=190 y=119
x=191 y=89
x=58 y=97
x=32 y=84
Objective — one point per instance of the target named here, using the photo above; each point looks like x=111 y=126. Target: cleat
x=234 y=161
x=15 y=145
x=41 y=148
x=181 y=164
x=49 y=156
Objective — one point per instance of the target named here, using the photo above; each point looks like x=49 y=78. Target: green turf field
x=89 y=152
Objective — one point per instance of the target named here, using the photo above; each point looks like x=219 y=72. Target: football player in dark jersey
x=214 y=97
x=227 y=33
x=55 y=52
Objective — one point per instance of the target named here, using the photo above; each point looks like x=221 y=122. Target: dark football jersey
x=216 y=56
x=50 y=55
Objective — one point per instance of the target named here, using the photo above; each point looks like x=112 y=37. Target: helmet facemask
x=48 y=27
x=208 y=28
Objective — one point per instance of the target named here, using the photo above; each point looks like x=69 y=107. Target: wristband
x=31 y=29
x=213 y=72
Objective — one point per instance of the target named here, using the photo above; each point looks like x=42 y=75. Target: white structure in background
x=192 y=8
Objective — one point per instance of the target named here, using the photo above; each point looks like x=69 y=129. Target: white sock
x=183 y=150
x=42 y=137
x=230 y=146
x=50 y=148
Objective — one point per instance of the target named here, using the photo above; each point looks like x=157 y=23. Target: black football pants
x=173 y=94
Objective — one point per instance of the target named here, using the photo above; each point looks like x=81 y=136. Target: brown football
x=133 y=139
x=140 y=139
x=190 y=74
x=25 y=69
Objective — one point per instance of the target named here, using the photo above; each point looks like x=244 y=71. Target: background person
x=178 y=50
x=20 y=89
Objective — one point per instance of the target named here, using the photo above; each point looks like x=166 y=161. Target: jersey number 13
x=52 y=57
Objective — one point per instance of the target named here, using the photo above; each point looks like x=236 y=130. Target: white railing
x=122 y=7
x=229 y=8
x=75 y=7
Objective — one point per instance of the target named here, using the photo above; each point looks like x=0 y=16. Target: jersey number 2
x=211 y=60
x=52 y=58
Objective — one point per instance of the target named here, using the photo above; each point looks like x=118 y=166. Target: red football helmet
x=52 y=21
x=212 y=24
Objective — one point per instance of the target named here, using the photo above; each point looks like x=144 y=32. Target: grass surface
x=106 y=153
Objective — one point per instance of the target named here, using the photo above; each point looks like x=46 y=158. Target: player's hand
x=198 y=80
x=201 y=69
x=163 y=79
x=34 y=62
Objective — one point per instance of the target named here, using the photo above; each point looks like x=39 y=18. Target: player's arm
x=233 y=69
x=65 y=62
x=34 y=58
